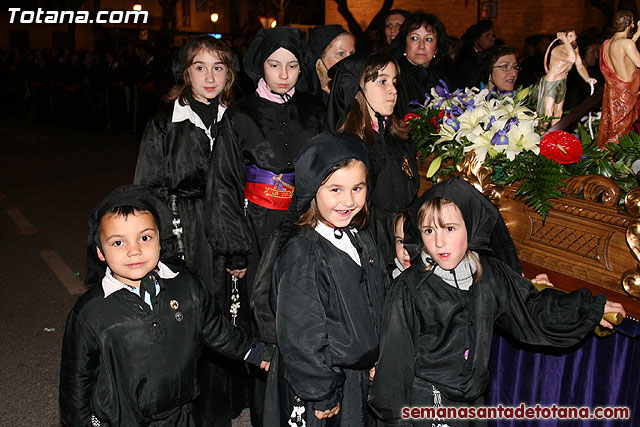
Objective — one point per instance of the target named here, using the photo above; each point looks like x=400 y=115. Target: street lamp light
x=214 y=17
x=137 y=7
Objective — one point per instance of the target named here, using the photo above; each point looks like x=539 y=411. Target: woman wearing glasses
x=504 y=71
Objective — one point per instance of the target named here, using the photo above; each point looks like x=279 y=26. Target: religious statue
x=619 y=62
x=553 y=86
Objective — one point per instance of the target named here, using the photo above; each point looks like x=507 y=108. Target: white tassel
x=296 y=419
x=235 y=300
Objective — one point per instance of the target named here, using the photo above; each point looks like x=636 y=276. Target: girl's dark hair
x=428 y=21
x=312 y=216
x=214 y=47
x=359 y=113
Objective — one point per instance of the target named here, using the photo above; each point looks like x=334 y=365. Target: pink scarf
x=264 y=92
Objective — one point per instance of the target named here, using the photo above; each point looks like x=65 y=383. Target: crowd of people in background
x=117 y=90
x=285 y=172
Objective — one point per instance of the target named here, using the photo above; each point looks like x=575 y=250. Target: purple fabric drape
x=600 y=372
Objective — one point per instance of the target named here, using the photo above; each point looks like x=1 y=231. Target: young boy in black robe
x=132 y=342
x=440 y=313
x=327 y=290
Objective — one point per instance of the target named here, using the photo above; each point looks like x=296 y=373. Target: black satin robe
x=328 y=312
x=428 y=324
x=133 y=366
x=394 y=185
x=254 y=131
x=174 y=159
x=416 y=81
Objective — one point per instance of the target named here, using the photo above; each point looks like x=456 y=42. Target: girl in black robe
x=251 y=175
x=354 y=107
x=439 y=318
x=174 y=157
x=327 y=291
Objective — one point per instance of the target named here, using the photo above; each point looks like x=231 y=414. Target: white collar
x=184 y=112
x=110 y=284
x=399 y=268
x=344 y=243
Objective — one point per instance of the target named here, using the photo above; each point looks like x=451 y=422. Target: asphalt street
x=50 y=178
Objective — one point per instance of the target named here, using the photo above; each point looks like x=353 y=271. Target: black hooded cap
x=346 y=84
x=267 y=41
x=322 y=36
x=320 y=154
x=487 y=233
x=127 y=195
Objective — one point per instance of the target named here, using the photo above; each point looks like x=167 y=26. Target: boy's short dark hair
x=123 y=211
x=127 y=200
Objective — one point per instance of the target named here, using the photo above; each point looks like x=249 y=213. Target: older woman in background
x=329 y=44
x=418 y=48
x=504 y=70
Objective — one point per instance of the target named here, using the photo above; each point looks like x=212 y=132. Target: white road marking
x=63 y=272
x=21 y=221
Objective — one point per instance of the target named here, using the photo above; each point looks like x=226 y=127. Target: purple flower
x=500 y=138
x=511 y=121
x=453 y=123
x=415 y=104
x=443 y=92
x=455 y=110
x=491 y=121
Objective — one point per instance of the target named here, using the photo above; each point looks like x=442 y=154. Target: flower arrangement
x=507 y=136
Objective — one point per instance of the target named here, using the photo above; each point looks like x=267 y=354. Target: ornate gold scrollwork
x=632 y=202
x=595 y=188
x=631 y=278
x=479 y=176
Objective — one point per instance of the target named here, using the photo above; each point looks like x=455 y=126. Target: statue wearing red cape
x=619 y=102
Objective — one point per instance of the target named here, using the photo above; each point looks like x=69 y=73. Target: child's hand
x=321 y=415
x=542 y=279
x=237 y=273
x=612 y=307
x=265 y=365
x=372 y=373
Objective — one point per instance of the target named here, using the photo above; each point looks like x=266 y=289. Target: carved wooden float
x=588 y=242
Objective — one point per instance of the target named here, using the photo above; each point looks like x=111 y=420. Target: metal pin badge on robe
x=174 y=305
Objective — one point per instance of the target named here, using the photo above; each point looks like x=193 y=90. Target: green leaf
x=434 y=166
x=522 y=94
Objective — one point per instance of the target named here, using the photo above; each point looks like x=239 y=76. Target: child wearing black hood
x=440 y=313
x=132 y=342
x=327 y=290
x=175 y=152
x=362 y=102
x=251 y=176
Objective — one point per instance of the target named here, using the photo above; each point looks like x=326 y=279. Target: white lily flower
x=522 y=137
x=480 y=142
